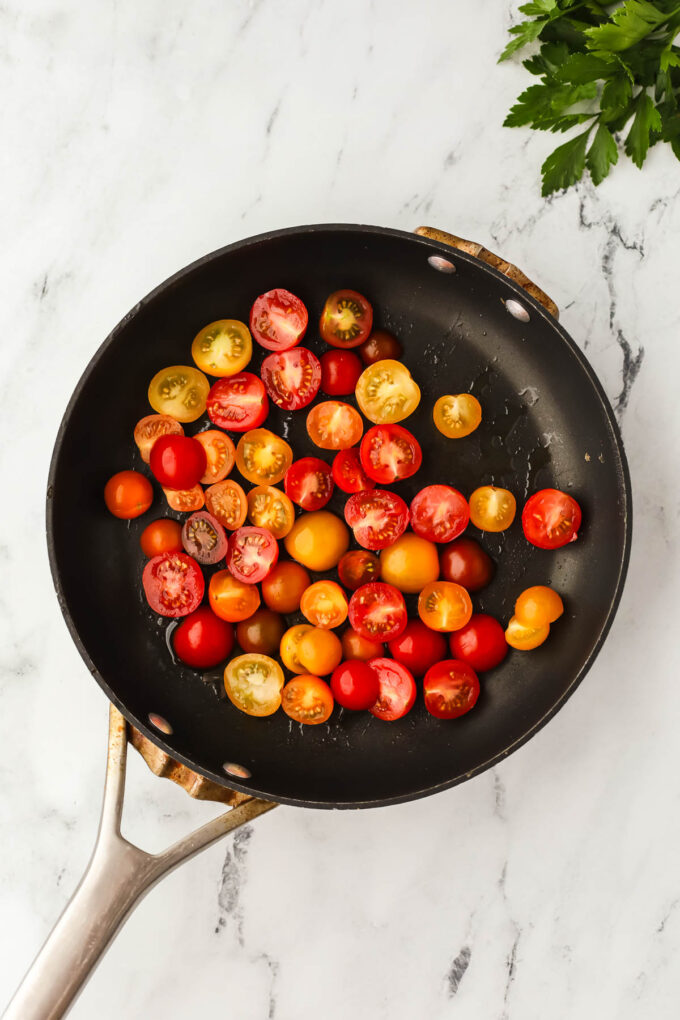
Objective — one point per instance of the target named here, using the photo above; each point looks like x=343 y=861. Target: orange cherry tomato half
x=538 y=606
x=263 y=457
x=524 y=637
x=227 y=502
x=128 y=494
x=160 y=537
x=444 y=606
x=333 y=425
x=253 y=683
x=324 y=604
x=151 y=428
x=346 y=319
x=270 y=508
x=185 y=500
x=220 y=454
x=307 y=699
x=457 y=416
x=492 y=509
x=284 y=585
x=230 y=599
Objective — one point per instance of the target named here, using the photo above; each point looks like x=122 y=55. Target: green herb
x=607 y=67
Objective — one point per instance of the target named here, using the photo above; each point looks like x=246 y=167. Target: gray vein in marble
x=232 y=881
x=457 y=970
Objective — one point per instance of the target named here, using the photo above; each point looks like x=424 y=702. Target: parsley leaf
x=602 y=154
x=565 y=165
x=647 y=118
x=629 y=24
x=524 y=33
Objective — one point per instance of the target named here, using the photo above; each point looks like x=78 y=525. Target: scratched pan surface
x=546 y=423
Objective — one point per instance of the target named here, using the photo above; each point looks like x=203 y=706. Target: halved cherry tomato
x=283 y=586
x=390 y=453
x=339 y=373
x=227 y=502
x=380 y=346
x=451 y=689
x=223 y=347
x=307 y=699
x=355 y=646
x=150 y=428
x=348 y=473
x=128 y=494
x=179 y=391
x=357 y=567
x=185 y=500
x=231 y=599
x=278 y=320
x=253 y=683
x=397 y=689
x=262 y=457
x=524 y=637
x=465 y=562
x=220 y=455
x=386 y=393
x=346 y=319
x=252 y=553
x=492 y=509
x=291 y=378
x=173 y=584
x=458 y=415
x=481 y=643
x=444 y=606
x=333 y=425
x=309 y=483
x=378 y=611
x=177 y=462
x=238 y=403
x=270 y=508
x=409 y=563
x=439 y=513
x=377 y=518
x=160 y=537
x=418 y=647
x=261 y=632
x=355 y=685
x=204 y=538
x=289 y=647
x=324 y=604
x=538 y=605
x=202 y=639
x=317 y=540
x=319 y=650
x=551 y=519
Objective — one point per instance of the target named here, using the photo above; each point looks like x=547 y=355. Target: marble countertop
x=136 y=138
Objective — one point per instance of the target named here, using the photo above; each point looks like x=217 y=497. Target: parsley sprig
x=609 y=68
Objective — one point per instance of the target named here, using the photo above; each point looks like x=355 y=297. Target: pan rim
x=434 y=247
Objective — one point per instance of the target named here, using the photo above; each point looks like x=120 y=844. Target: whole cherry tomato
x=202 y=639
x=355 y=685
x=357 y=567
x=418 y=647
x=177 y=462
x=380 y=346
x=261 y=632
x=538 y=605
x=355 y=646
x=339 y=372
x=465 y=562
x=481 y=643
x=284 y=585
x=128 y=494
x=160 y=537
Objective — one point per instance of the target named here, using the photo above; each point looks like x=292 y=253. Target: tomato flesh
x=173 y=584
x=378 y=611
x=150 y=428
x=202 y=639
x=377 y=518
x=457 y=416
x=348 y=474
x=291 y=378
x=355 y=685
x=450 y=689
x=386 y=392
x=185 y=500
x=270 y=508
x=278 y=320
x=220 y=454
x=346 y=319
x=492 y=508
x=238 y=402
x=178 y=462
x=481 y=643
x=227 y=502
x=309 y=483
x=340 y=371
x=390 y=453
x=252 y=553
x=307 y=699
x=333 y=425
x=263 y=457
x=439 y=513
x=444 y=606
x=324 y=605
x=397 y=690
x=204 y=538
x=253 y=683
x=551 y=519
x=418 y=647
x=223 y=347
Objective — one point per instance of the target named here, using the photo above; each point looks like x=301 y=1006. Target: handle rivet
x=160 y=723
x=443 y=265
x=238 y=771
x=517 y=310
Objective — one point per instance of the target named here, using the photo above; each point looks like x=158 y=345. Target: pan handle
x=117 y=877
x=482 y=253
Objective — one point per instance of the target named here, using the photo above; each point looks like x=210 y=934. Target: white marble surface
x=138 y=136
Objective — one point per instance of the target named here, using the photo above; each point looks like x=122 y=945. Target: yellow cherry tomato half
x=307 y=699
x=180 y=391
x=262 y=457
x=386 y=393
x=457 y=415
x=253 y=683
x=444 y=606
x=324 y=604
x=492 y=509
x=317 y=540
x=409 y=563
x=290 y=643
x=523 y=637
x=333 y=425
x=220 y=454
x=319 y=651
x=538 y=606
x=270 y=508
x=223 y=347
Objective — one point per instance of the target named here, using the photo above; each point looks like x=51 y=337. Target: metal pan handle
x=117 y=877
x=482 y=253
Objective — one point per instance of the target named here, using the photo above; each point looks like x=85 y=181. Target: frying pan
x=467 y=321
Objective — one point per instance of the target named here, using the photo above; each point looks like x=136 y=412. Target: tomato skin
x=418 y=648
x=346 y=319
x=451 y=689
x=319 y=650
x=309 y=483
x=551 y=519
x=263 y=457
x=324 y=604
x=307 y=699
x=348 y=474
x=253 y=683
x=340 y=371
x=128 y=494
x=278 y=320
x=223 y=347
x=173 y=584
x=291 y=378
x=333 y=425
x=160 y=537
x=380 y=346
x=457 y=416
x=204 y=538
x=538 y=605
x=177 y=462
x=185 y=500
x=251 y=554
x=202 y=640
x=465 y=562
x=492 y=508
x=226 y=501
x=355 y=685
x=290 y=643
x=378 y=611
x=409 y=563
x=220 y=454
x=150 y=428
x=238 y=402
x=397 y=690
x=377 y=518
x=439 y=513
x=357 y=567
x=355 y=646
x=230 y=599
x=261 y=632
x=284 y=585
x=481 y=643
x=317 y=540
x=390 y=453
x=386 y=392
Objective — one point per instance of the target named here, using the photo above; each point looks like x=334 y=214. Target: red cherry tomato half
x=481 y=643
x=346 y=319
x=204 y=538
x=418 y=647
x=309 y=483
x=439 y=513
x=278 y=320
x=357 y=567
x=291 y=378
x=348 y=473
x=251 y=555
x=451 y=689
x=397 y=689
x=354 y=685
x=202 y=640
x=551 y=519
x=377 y=518
x=340 y=371
x=389 y=453
x=465 y=562
x=238 y=403
x=173 y=584
x=377 y=611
